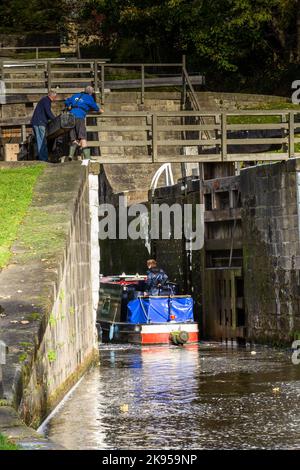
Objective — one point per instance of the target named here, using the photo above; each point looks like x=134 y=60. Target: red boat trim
x=160 y=338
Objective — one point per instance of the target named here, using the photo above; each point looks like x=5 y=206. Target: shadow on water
x=196 y=397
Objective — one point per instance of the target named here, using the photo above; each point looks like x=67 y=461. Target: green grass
x=5 y=444
x=126 y=74
x=268 y=119
x=16 y=190
x=32 y=55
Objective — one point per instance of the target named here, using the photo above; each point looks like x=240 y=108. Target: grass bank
x=5 y=444
x=16 y=190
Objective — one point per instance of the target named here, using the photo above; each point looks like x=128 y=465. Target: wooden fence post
x=49 y=81
x=183 y=91
x=102 y=83
x=291 y=134
x=96 y=83
x=154 y=137
x=224 y=136
x=143 y=83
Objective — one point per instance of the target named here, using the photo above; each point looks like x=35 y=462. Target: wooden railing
x=141 y=137
x=72 y=75
x=38 y=76
x=35 y=49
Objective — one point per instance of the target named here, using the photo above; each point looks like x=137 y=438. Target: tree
x=32 y=15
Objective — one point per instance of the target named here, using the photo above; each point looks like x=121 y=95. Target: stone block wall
x=46 y=295
x=271 y=250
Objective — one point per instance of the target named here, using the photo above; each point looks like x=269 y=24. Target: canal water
x=202 y=396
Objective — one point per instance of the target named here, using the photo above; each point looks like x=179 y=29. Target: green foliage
x=52 y=320
x=26 y=345
x=51 y=356
x=16 y=189
x=237 y=40
x=238 y=44
x=34 y=316
x=72 y=310
x=23 y=357
x=32 y=15
x=6 y=444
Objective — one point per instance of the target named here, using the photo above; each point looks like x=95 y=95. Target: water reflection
x=198 y=396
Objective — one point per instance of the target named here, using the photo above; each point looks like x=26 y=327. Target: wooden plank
x=188 y=142
x=196 y=127
x=250 y=141
x=187 y=113
x=248 y=127
x=23 y=70
x=68 y=90
x=16 y=81
x=223 y=214
x=120 y=143
x=150 y=82
x=128 y=114
x=72 y=80
x=108 y=65
x=154 y=138
x=188 y=158
x=260 y=112
x=143 y=84
x=14 y=121
x=71 y=70
x=291 y=148
x=224 y=141
x=102 y=93
x=17 y=91
x=49 y=76
x=118 y=128
x=236 y=157
x=95 y=75
x=222 y=244
x=124 y=160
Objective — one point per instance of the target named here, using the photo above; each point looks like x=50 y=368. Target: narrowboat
x=126 y=314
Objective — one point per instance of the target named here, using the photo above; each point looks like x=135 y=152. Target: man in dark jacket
x=42 y=114
x=156 y=278
x=79 y=105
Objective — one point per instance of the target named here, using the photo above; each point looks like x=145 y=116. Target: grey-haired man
x=80 y=104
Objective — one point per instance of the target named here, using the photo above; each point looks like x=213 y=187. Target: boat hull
x=154 y=333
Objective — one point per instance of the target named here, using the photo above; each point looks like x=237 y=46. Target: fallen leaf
x=14 y=321
x=24 y=322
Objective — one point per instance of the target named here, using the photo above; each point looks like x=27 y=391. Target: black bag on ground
x=60 y=125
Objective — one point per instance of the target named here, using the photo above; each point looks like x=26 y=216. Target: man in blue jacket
x=80 y=104
x=42 y=114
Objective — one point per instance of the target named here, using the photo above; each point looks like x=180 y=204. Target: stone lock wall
x=50 y=287
x=271 y=251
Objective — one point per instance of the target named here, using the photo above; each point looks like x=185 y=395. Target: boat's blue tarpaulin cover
x=160 y=310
